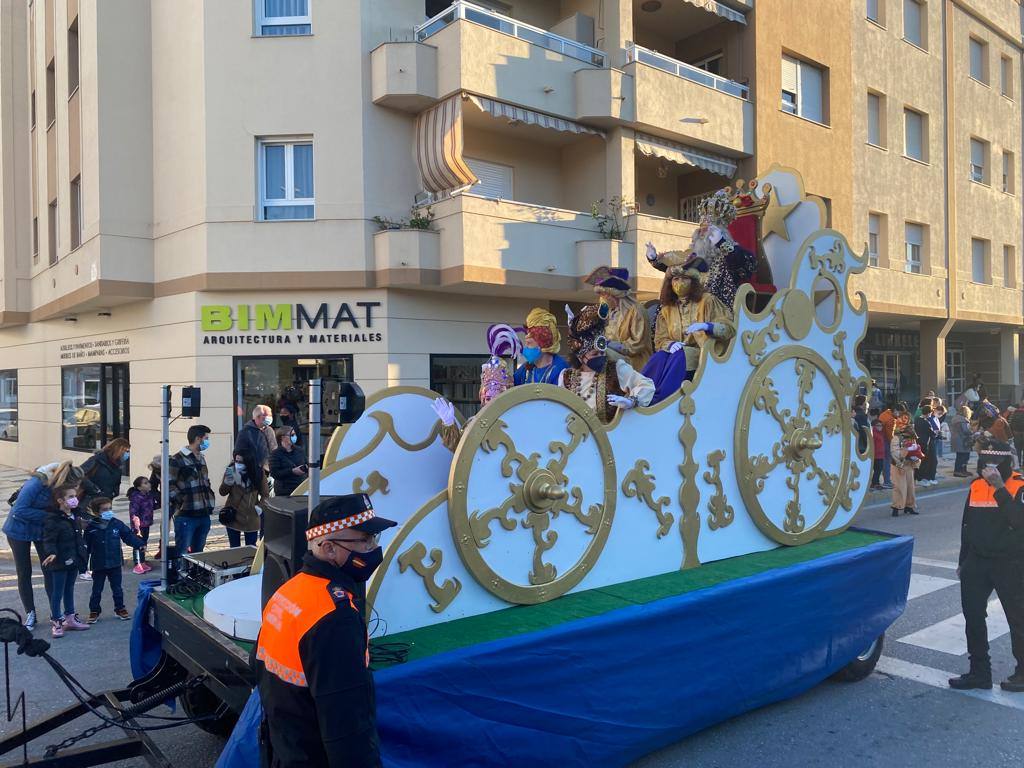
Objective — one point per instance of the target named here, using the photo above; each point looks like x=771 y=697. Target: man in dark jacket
x=992 y=558
x=312 y=655
x=252 y=438
x=926 y=434
x=103 y=537
x=191 y=496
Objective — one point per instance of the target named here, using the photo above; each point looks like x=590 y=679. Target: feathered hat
x=586 y=329
x=502 y=341
x=542 y=327
x=684 y=264
x=610 y=280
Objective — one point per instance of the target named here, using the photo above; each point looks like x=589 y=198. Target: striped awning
x=439 y=148
x=511 y=112
x=721 y=10
x=680 y=154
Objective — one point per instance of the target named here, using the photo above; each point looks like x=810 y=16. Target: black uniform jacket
x=312 y=666
x=993 y=524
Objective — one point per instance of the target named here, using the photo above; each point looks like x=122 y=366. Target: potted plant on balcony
x=613 y=216
x=410 y=243
x=419 y=218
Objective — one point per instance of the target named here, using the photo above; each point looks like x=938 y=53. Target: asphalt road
x=902 y=715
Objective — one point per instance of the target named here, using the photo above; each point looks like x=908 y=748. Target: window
x=76 y=212
x=874 y=238
x=876 y=119
x=914 y=27
x=875 y=10
x=1009 y=267
x=457 y=378
x=495 y=179
x=8 y=405
x=956 y=370
x=979 y=60
x=286 y=180
x=1008 y=185
x=803 y=89
x=1006 y=76
x=979 y=261
x=712 y=64
x=80 y=404
x=979 y=164
x=52 y=214
x=915 y=247
x=915 y=135
x=32 y=111
x=51 y=103
x=283 y=17
x=35 y=239
x=73 y=57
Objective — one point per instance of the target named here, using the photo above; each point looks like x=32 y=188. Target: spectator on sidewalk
x=927 y=431
x=861 y=422
x=961 y=439
x=24 y=525
x=875 y=402
x=878 y=437
x=191 y=497
x=939 y=417
x=103 y=470
x=287 y=463
x=906 y=457
x=103 y=537
x=888 y=419
x=141 y=503
x=253 y=439
x=64 y=557
x=245 y=485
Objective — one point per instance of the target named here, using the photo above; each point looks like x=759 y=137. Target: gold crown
x=748 y=201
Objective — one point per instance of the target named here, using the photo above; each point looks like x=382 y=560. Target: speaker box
x=284 y=538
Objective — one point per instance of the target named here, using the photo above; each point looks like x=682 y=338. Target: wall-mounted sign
x=287 y=323
x=95 y=348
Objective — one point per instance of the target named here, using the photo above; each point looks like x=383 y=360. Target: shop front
x=893 y=357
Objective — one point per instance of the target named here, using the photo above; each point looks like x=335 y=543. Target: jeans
x=113 y=575
x=139 y=553
x=235 y=537
x=938 y=447
x=62 y=587
x=190 y=533
x=22 y=551
x=962 y=458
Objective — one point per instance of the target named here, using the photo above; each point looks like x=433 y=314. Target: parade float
x=570 y=592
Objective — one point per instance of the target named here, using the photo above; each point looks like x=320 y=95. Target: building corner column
x=617 y=16
x=933 y=355
x=1009 y=364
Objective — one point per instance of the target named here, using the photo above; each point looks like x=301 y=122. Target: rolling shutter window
x=790 y=80
x=495 y=179
x=811 y=84
x=874 y=120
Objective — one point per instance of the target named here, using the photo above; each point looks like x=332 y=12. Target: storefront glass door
x=95 y=405
x=955 y=374
x=885 y=370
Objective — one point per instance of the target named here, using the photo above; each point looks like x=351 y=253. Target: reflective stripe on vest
x=984 y=495
x=293 y=610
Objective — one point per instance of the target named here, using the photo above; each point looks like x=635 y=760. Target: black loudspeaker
x=284 y=539
x=191 y=402
x=342 y=402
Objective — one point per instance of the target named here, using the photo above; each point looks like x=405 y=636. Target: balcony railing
x=687 y=71
x=505 y=25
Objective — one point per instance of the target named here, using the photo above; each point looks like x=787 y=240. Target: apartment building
x=219 y=193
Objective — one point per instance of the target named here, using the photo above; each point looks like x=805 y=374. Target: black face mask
x=596 y=364
x=361 y=565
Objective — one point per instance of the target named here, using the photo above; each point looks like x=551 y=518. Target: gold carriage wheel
x=795 y=451
x=539 y=492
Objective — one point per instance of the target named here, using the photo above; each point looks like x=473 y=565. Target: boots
x=1014 y=683
x=910 y=511
x=57 y=627
x=980 y=679
x=895 y=512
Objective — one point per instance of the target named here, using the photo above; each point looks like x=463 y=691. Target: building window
x=283 y=17
x=956 y=371
x=76 y=212
x=979 y=161
x=277 y=381
x=1008 y=185
x=8 y=405
x=51 y=97
x=875 y=238
x=712 y=64
x=1009 y=267
x=286 y=179
x=457 y=378
x=803 y=89
x=980 y=271
x=32 y=111
x=979 y=60
x=81 y=388
x=1006 y=76
x=495 y=179
x=915 y=247
x=52 y=214
x=35 y=239
x=875 y=11
x=915 y=135
x=915 y=29
x=876 y=119
x=73 y=57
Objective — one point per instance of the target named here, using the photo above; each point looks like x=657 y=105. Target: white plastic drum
x=234 y=608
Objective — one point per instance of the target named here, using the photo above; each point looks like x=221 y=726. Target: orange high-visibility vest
x=984 y=495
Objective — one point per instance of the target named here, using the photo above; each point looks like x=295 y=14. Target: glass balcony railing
x=487 y=18
x=679 y=69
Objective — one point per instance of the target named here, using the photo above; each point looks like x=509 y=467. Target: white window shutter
x=790 y=76
x=811 y=87
x=977 y=153
x=495 y=179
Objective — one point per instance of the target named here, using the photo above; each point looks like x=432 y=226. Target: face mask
x=127 y=455
x=204 y=445
x=239 y=467
x=681 y=288
x=293 y=438
x=596 y=364
x=268 y=421
x=71 y=503
x=532 y=354
x=361 y=565
x=107 y=514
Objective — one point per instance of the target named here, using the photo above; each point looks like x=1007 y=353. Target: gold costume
x=628 y=326
x=674 y=319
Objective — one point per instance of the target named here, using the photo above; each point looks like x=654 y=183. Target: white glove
x=695 y=327
x=674 y=347
x=445 y=411
x=617 y=346
x=625 y=403
x=569 y=314
x=652 y=253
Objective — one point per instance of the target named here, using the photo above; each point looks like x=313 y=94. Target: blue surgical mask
x=294 y=439
x=107 y=514
x=127 y=455
x=532 y=354
x=204 y=445
x=268 y=421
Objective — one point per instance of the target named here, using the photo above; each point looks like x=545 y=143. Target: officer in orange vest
x=312 y=655
x=992 y=558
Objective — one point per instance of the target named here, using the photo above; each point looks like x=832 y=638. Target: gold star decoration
x=775 y=217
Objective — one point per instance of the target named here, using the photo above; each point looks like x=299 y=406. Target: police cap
x=337 y=513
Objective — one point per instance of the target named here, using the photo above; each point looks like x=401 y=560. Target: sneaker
x=94 y=616
x=122 y=614
x=147 y=567
x=139 y=569
x=972 y=681
x=30 y=620
x=87 y=576
x=56 y=627
x=887 y=486
x=73 y=623
x=1014 y=683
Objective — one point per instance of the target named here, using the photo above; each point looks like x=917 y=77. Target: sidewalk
x=11 y=479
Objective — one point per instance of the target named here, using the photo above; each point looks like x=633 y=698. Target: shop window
x=8 y=405
x=282 y=17
x=457 y=378
x=274 y=381
x=286 y=179
x=94 y=405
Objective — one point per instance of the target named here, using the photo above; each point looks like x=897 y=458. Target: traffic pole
x=314 y=444
x=165 y=517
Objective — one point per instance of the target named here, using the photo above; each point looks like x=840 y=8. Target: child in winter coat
x=141 y=503
x=906 y=457
x=64 y=557
x=103 y=537
x=878 y=466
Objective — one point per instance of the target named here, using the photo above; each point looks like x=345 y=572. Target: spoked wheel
x=863 y=665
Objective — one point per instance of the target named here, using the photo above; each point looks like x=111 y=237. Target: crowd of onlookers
x=65 y=512
x=907 y=442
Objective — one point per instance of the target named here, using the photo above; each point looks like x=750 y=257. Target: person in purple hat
x=627 y=331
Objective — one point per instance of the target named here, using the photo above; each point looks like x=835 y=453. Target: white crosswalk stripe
x=921 y=585
x=948 y=636
x=936 y=678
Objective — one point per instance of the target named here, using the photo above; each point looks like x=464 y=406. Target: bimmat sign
x=325 y=323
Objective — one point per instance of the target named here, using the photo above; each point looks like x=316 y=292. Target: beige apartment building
x=199 y=192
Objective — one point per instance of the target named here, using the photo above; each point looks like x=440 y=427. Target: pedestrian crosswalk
x=921 y=584
x=948 y=636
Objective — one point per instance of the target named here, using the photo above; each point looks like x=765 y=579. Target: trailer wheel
x=200 y=702
x=863 y=665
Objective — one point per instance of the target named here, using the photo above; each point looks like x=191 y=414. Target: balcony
x=688 y=71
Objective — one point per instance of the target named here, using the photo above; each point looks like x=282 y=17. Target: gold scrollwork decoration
x=720 y=512
x=415 y=558
x=756 y=342
x=639 y=483
x=689 y=493
x=846 y=378
x=374 y=482
x=834 y=258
